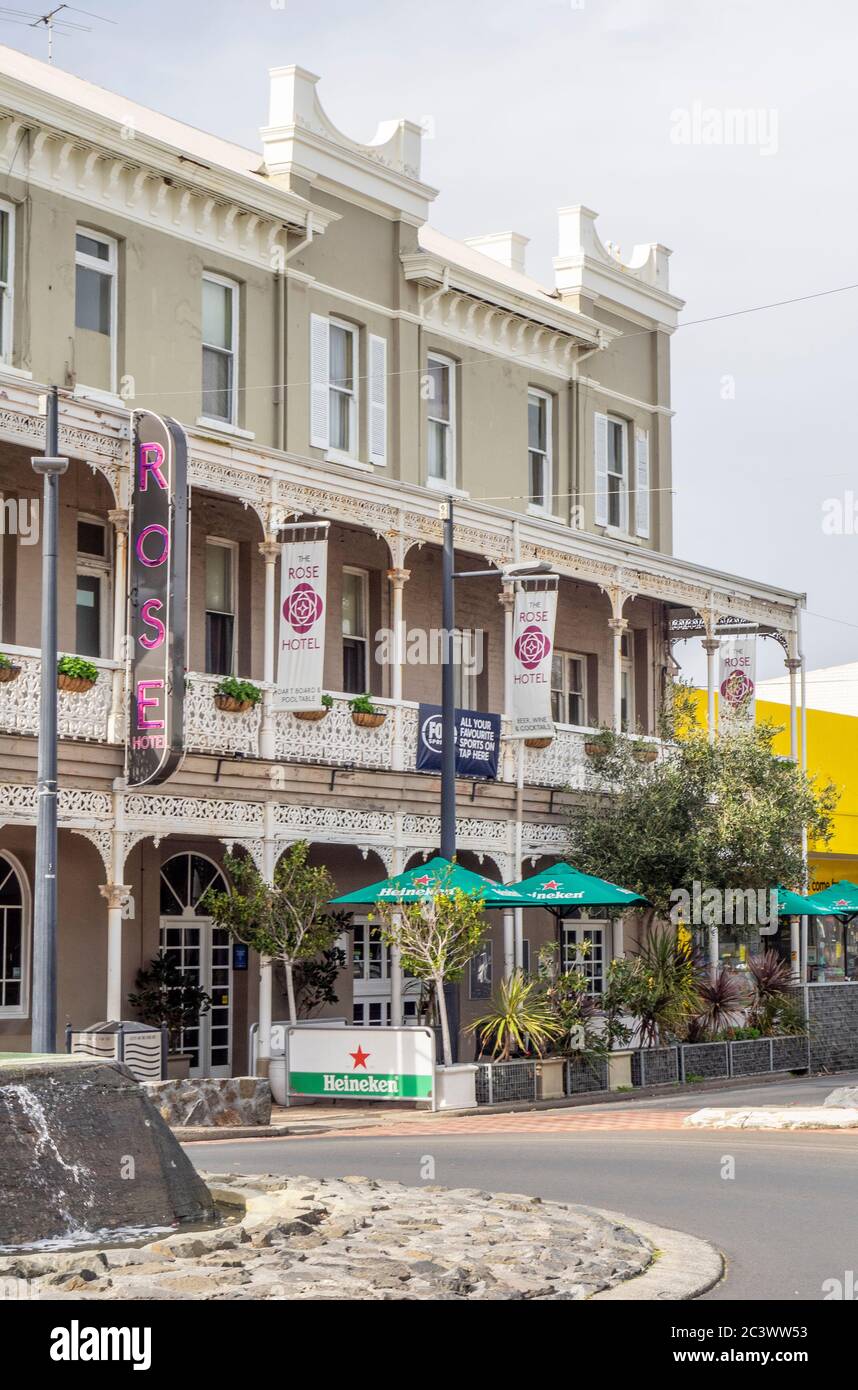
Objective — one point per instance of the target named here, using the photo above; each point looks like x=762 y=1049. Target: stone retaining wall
x=213 y=1100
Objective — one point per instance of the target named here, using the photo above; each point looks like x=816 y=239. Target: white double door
x=373 y=987
x=202 y=953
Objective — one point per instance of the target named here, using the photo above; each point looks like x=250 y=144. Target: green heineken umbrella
x=840 y=900
x=793 y=905
x=563 y=886
x=437 y=875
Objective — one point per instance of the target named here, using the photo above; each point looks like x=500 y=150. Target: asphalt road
x=786 y=1221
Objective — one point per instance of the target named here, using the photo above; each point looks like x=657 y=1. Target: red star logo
x=423 y=881
x=841 y=902
x=359 y=1058
x=551 y=883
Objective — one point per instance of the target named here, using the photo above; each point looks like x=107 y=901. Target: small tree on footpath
x=288 y=921
x=436 y=937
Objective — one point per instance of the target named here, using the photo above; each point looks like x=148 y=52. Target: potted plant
x=76 y=675
x=236 y=696
x=644 y=753
x=166 y=997
x=545 y=741
x=314 y=715
x=365 y=714
x=8 y=670
x=600 y=746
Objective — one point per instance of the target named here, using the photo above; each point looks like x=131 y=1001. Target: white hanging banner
x=532 y=648
x=301 y=644
x=737 y=680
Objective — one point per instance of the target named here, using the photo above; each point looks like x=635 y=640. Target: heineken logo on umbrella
x=303 y=608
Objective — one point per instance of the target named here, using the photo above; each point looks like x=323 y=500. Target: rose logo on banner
x=301 y=647
x=303 y=608
x=532 y=647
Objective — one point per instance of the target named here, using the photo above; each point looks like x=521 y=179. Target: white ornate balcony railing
x=81 y=715
x=336 y=739
x=212 y=730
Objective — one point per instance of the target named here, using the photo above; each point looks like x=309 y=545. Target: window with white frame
x=92 y=594
x=96 y=268
x=540 y=482
x=441 y=419
x=480 y=973
x=618 y=485
x=355 y=622
x=467 y=661
x=627 y=680
x=342 y=387
x=583 y=950
x=569 y=688
x=14 y=939
x=221 y=594
x=7 y=278
x=220 y=348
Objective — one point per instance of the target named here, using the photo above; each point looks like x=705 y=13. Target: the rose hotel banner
x=303 y=601
x=737 y=680
x=532 y=648
x=157 y=600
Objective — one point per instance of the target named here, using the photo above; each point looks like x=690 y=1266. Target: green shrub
x=362 y=704
x=243 y=691
x=77 y=668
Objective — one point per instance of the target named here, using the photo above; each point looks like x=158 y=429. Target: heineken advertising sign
x=362 y=1063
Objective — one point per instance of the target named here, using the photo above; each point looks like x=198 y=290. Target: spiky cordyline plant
x=720 y=1003
x=520 y=1018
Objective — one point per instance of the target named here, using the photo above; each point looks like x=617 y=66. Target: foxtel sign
x=157 y=600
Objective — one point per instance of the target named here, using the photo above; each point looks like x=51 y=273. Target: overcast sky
x=538 y=105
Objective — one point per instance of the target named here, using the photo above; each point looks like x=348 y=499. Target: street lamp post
x=45 y=910
x=448 y=710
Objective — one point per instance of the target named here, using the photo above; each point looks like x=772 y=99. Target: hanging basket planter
x=311 y=715
x=645 y=754
x=539 y=742
x=230 y=705
x=365 y=720
x=74 y=685
x=9 y=673
x=595 y=750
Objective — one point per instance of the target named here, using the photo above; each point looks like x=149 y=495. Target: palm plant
x=772 y=1007
x=520 y=1018
x=720 y=1004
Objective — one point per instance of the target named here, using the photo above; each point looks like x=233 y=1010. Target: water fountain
x=85 y=1154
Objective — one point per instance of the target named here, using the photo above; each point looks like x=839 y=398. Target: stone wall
x=832 y=1017
x=82 y=1149
x=213 y=1100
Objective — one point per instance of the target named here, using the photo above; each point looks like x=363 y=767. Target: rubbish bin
x=138 y=1045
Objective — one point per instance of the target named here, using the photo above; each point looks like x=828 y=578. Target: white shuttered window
x=377 y=400
x=642 y=484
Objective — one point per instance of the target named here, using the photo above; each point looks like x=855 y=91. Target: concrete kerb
x=685 y=1267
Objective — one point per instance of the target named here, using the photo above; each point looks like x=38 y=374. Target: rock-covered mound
x=82 y=1148
x=314 y=1238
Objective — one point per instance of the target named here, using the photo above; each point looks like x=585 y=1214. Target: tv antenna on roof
x=50 y=22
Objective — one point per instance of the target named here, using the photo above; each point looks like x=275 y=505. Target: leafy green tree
x=436 y=937
x=728 y=815
x=288 y=921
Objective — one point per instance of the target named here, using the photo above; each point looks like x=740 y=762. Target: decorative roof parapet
x=595 y=270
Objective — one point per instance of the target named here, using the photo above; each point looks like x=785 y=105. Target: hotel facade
x=329 y=356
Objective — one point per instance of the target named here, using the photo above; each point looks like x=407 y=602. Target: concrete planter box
x=178 y=1066
x=619 y=1071
x=549 y=1078
x=456 y=1086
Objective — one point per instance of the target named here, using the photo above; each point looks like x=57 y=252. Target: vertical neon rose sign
x=157 y=600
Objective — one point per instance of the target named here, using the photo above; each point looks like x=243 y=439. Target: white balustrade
x=82 y=714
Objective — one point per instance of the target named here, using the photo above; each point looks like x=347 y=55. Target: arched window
x=184 y=880
x=14 y=939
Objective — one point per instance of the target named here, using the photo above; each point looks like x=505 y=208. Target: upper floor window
x=467 y=664
x=355 y=631
x=569 y=688
x=220 y=348
x=7 y=275
x=96 y=263
x=221 y=590
x=334 y=396
x=92 y=595
x=612 y=472
x=441 y=419
x=342 y=385
x=540 y=482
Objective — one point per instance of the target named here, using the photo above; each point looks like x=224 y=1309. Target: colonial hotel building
x=144 y=264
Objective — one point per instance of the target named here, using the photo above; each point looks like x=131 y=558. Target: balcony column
x=397 y=866
x=397 y=578
x=269 y=549
x=119 y=519
x=506 y=599
x=793 y=665
x=618 y=626
x=711 y=646
x=266 y=971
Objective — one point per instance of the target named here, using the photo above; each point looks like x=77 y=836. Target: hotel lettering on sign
x=157 y=600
